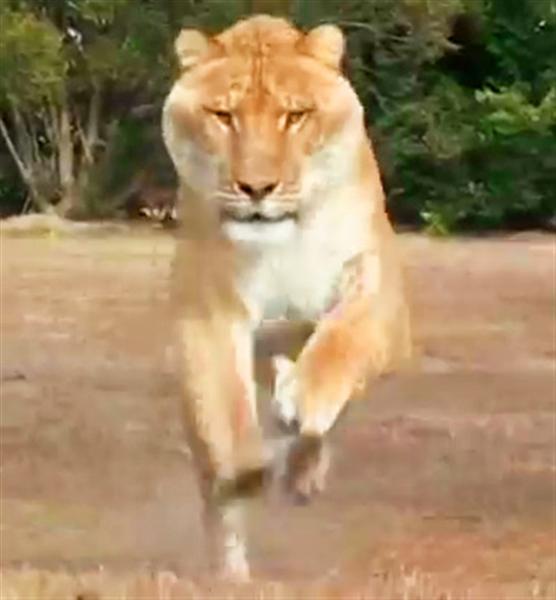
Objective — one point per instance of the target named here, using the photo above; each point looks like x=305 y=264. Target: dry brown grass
x=37 y=225
x=449 y=471
x=31 y=584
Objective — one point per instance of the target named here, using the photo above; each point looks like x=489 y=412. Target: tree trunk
x=93 y=122
x=66 y=163
x=89 y=140
x=25 y=172
x=25 y=175
x=22 y=137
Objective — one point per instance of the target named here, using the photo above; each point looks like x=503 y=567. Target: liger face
x=258 y=134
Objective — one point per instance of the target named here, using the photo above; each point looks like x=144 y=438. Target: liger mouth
x=257 y=217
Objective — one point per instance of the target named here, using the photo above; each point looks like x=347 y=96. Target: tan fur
x=283 y=216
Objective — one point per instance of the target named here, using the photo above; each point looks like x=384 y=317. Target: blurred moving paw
x=286 y=391
x=307 y=466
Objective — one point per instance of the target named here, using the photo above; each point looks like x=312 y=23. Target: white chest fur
x=299 y=278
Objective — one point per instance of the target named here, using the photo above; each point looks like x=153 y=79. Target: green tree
x=61 y=62
x=32 y=75
x=459 y=95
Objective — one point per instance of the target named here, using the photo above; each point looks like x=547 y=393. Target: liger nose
x=257 y=191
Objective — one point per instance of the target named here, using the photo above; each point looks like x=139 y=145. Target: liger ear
x=325 y=43
x=191 y=46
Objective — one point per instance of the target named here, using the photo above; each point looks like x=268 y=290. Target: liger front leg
x=223 y=431
x=364 y=332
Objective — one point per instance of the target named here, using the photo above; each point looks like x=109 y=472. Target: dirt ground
x=445 y=473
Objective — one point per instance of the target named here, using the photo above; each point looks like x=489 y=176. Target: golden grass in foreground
x=30 y=584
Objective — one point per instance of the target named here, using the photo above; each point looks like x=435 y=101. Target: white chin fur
x=260 y=233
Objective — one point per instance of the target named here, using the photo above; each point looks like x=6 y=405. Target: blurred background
x=460 y=98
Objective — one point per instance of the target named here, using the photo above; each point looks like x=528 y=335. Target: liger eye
x=295 y=116
x=224 y=116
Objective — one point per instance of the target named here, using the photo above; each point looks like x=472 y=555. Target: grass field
x=443 y=481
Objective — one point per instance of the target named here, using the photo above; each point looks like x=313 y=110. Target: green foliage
x=475 y=161
x=132 y=52
x=509 y=112
x=31 y=66
x=460 y=95
x=214 y=15
x=471 y=156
